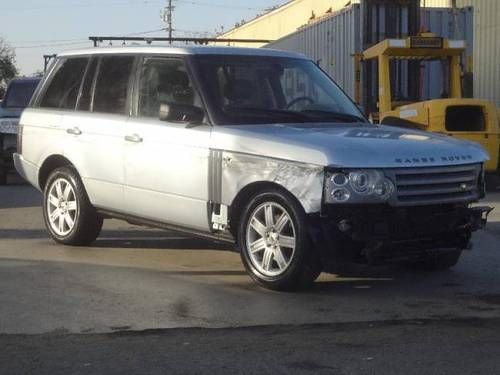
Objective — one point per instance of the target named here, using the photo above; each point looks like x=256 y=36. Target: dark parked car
x=17 y=97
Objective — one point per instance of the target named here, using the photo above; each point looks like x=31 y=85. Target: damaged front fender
x=234 y=171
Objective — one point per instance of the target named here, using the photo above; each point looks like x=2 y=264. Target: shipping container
x=486 y=62
x=333 y=41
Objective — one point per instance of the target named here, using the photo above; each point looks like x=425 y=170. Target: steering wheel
x=299 y=99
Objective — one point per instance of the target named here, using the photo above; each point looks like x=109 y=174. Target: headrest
x=174 y=78
x=239 y=89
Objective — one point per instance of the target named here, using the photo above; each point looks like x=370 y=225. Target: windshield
x=263 y=89
x=19 y=94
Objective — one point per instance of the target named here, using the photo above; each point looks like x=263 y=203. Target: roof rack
x=202 y=41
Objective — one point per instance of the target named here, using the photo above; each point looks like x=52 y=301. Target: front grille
x=436 y=185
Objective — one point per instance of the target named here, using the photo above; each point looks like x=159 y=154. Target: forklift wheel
x=3 y=176
x=492 y=182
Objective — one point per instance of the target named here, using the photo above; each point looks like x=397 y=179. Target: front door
x=166 y=163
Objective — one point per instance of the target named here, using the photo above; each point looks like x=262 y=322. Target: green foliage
x=8 y=68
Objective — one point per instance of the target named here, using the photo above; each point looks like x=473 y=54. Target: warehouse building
x=294 y=14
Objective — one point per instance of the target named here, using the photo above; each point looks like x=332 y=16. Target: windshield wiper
x=330 y=115
x=299 y=116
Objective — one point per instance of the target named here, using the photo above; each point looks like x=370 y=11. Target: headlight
x=358 y=186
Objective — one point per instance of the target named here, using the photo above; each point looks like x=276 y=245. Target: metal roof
x=185 y=50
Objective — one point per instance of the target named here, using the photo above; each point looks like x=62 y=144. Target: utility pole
x=167 y=15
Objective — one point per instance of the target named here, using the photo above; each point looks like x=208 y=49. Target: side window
x=86 y=95
x=164 y=80
x=112 y=84
x=63 y=89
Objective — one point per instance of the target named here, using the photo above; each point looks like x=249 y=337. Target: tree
x=8 y=68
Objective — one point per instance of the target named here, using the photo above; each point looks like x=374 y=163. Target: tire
x=78 y=223
x=274 y=243
x=3 y=175
x=440 y=262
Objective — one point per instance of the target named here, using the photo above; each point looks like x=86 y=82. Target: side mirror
x=186 y=113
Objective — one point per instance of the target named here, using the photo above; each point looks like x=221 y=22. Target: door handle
x=133 y=138
x=74 y=131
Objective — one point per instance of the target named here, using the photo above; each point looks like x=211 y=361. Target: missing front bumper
x=479 y=217
x=383 y=234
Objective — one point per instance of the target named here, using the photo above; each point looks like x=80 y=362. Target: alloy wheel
x=62 y=207
x=270 y=239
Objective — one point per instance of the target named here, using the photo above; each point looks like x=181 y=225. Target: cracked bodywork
x=237 y=170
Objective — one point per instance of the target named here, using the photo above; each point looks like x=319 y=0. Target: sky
x=38 y=27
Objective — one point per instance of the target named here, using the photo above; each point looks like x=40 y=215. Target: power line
x=51 y=45
x=146 y=32
x=69 y=42
x=46 y=41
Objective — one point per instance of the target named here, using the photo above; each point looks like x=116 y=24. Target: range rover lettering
x=255 y=147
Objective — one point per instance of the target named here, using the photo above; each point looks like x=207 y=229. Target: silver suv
x=250 y=146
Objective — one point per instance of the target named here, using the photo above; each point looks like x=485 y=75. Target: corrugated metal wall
x=330 y=42
x=486 y=48
x=334 y=40
x=441 y=22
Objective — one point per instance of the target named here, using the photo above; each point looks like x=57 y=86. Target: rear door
x=43 y=131
x=96 y=130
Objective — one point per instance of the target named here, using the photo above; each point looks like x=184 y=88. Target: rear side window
x=63 y=89
x=112 y=84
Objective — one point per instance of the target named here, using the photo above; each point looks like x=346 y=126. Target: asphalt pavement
x=147 y=301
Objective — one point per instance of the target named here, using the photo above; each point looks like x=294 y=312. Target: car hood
x=348 y=145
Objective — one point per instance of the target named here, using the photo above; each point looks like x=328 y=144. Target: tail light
x=19 y=138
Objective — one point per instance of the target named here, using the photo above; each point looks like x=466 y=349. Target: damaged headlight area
x=358 y=186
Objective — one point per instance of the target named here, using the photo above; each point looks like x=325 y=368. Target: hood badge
x=433 y=159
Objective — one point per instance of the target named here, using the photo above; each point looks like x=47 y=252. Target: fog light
x=341 y=195
x=344 y=225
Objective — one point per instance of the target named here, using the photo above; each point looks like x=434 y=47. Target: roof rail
x=202 y=41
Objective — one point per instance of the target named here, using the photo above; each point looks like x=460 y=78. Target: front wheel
x=69 y=216
x=274 y=243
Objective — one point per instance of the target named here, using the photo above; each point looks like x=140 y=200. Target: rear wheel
x=69 y=216
x=274 y=242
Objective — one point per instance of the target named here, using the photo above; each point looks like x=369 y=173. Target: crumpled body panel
x=304 y=181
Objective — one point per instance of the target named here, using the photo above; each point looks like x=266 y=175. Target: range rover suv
x=255 y=147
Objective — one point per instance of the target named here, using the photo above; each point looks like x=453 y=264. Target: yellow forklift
x=471 y=119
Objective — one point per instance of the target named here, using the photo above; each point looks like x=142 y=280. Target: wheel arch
x=249 y=191
x=50 y=164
